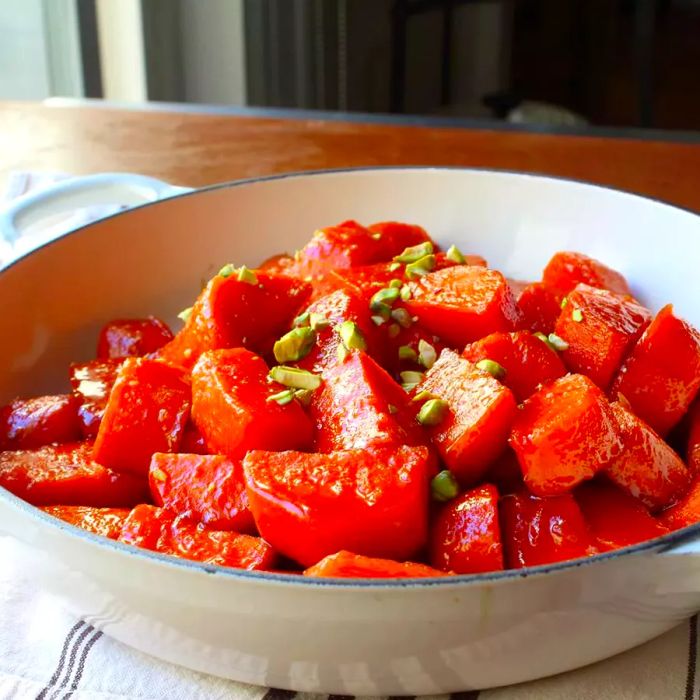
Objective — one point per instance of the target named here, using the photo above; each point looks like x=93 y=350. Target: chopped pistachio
x=392 y=409
x=318 y=322
x=420 y=267
x=406 y=352
x=227 y=270
x=383 y=299
x=405 y=293
x=295 y=378
x=444 y=486
x=377 y=236
x=394 y=266
x=247 y=276
x=410 y=377
x=557 y=343
x=294 y=345
x=303 y=396
x=492 y=367
x=455 y=255
x=426 y=354
x=564 y=302
x=396 y=283
x=432 y=412
x=545 y=339
x=394 y=330
x=415 y=252
x=423 y=396
x=158 y=474
x=185 y=314
x=577 y=315
x=342 y=352
x=351 y=336
x=378 y=320
x=301 y=319
x=402 y=317
x=282 y=397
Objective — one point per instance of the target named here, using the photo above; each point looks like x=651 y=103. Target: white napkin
x=47 y=654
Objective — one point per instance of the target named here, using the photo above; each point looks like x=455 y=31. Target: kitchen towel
x=47 y=654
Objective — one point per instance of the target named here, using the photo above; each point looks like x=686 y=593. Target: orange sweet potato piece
x=463 y=303
x=231 y=410
x=107 y=522
x=661 y=376
x=372 y=502
x=349 y=565
x=465 y=536
x=67 y=475
x=647 y=468
x=29 y=423
x=132 y=337
x=147 y=411
x=209 y=488
x=600 y=328
x=92 y=384
x=539 y=531
x=564 y=434
x=615 y=518
x=528 y=361
x=230 y=313
x=539 y=307
x=565 y=270
x=481 y=411
x=693 y=444
x=685 y=512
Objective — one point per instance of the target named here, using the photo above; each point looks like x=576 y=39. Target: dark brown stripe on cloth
x=81 y=664
x=278 y=694
x=692 y=658
x=400 y=697
x=341 y=697
x=61 y=660
x=465 y=695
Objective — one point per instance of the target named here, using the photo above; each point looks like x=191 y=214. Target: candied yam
x=685 y=512
x=372 y=502
x=209 y=488
x=231 y=410
x=481 y=411
x=539 y=307
x=349 y=565
x=600 y=328
x=359 y=405
x=231 y=313
x=157 y=529
x=693 y=443
x=67 y=475
x=30 y=423
x=277 y=264
x=563 y=434
x=647 y=468
x=107 y=522
x=463 y=303
x=661 y=376
x=411 y=338
x=132 y=337
x=615 y=518
x=565 y=270
x=395 y=237
x=147 y=411
x=465 y=536
x=528 y=361
x=539 y=531
x=92 y=384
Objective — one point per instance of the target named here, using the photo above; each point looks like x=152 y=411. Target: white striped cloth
x=47 y=654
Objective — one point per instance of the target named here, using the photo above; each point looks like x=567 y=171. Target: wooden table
x=200 y=148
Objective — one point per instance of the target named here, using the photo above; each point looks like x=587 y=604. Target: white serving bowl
x=350 y=637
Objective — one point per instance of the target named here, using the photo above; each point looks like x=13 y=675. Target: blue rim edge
x=660 y=544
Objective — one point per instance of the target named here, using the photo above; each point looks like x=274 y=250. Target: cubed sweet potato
x=92 y=384
x=107 y=522
x=685 y=512
x=539 y=307
x=565 y=270
x=132 y=337
x=349 y=565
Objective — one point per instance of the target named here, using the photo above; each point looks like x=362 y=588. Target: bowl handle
x=104 y=188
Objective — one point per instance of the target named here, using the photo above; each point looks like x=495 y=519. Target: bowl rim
x=660 y=544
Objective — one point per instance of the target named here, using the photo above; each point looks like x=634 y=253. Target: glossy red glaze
x=505 y=473
x=465 y=536
x=647 y=468
x=229 y=313
x=564 y=434
x=661 y=376
x=685 y=512
x=132 y=337
x=463 y=303
x=157 y=529
x=349 y=565
x=693 y=444
x=30 y=423
x=481 y=411
x=107 y=522
x=372 y=502
x=231 y=410
x=539 y=307
x=543 y=530
x=208 y=488
x=608 y=328
x=92 y=384
x=193 y=441
x=565 y=270
x=615 y=518
x=147 y=411
x=67 y=475
x=528 y=361
x=359 y=405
